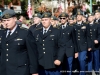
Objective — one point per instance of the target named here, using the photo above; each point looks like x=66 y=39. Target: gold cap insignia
x=79 y=13
x=7 y=16
x=63 y=15
x=35 y=15
x=45 y=15
x=52 y=18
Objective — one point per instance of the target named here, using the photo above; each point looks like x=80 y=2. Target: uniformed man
x=97 y=16
x=97 y=19
x=84 y=18
x=94 y=30
x=18 y=50
x=71 y=21
x=81 y=37
x=37 y=23
x=54 y=21
x=70 y=41
x=50 y=47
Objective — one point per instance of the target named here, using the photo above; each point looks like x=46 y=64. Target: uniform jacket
x=34 y=27
x=18 y=53
x=94 y=31
x=50 y=47
x=82 y=36
x=70 y=40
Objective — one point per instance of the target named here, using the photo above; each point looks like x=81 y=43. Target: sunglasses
x=63 y=18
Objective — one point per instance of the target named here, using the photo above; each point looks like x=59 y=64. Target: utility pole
x=90 y=6
x=64 y=5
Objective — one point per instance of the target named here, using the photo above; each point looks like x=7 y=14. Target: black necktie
x=8 y=34
x=45 y=31
x=64 y=27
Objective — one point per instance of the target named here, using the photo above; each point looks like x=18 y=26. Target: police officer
x=94 y=30
x=70 y=41
x=18 y=52
x=50 y=47
x=37 y=23
x=81 y=37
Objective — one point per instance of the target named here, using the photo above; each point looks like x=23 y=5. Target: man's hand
x=89 y=49
x=96 y=41
x=57 y=62
x=35 y=74
x=76 y=55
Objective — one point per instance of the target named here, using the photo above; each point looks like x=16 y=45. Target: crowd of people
x=49 y=45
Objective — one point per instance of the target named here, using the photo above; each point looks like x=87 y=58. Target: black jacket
x=82 y=36
x=18 y=53
x=50 y=47
x=69 y=38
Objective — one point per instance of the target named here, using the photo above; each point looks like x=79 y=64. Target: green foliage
x=6 y=2
x=24 y=4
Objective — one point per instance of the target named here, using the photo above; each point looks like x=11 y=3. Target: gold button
x=78 y=36
x=91 y=35
x=6 y=59
x=78 y=33
x=63 y=33
x=43 y=44
x=71 y=46
x=7 y=49
x=78 y=30
x=44 y=52
x=6 y=54
x=43 y=48
x=7 y=44
x=78 y=39
x=43 y=40
x=25 y=64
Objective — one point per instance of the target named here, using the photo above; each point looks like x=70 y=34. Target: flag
x=60 y=8
x=29 y=11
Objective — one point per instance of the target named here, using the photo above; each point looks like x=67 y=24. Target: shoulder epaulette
x=96 y=22
x=86 y=22
x=23 y=28
x=71 y=24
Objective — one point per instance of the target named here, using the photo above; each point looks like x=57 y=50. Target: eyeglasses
x=63 y=18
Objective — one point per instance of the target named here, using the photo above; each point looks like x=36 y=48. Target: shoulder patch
x=23 y=28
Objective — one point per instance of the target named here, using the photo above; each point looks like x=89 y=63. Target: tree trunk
x=33 y=12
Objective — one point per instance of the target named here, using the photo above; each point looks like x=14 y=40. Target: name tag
x=52 y=35
x=84 y=27
x=18 y=39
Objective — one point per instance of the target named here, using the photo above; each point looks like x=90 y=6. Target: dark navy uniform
x=50 y=48
x=17 y=54
x=98 y=21
x=1 y=33
x=82 y=37
x=34 y=27
x=94 y=30
x=18 y=50
x=71 y=45
x=68 y=33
